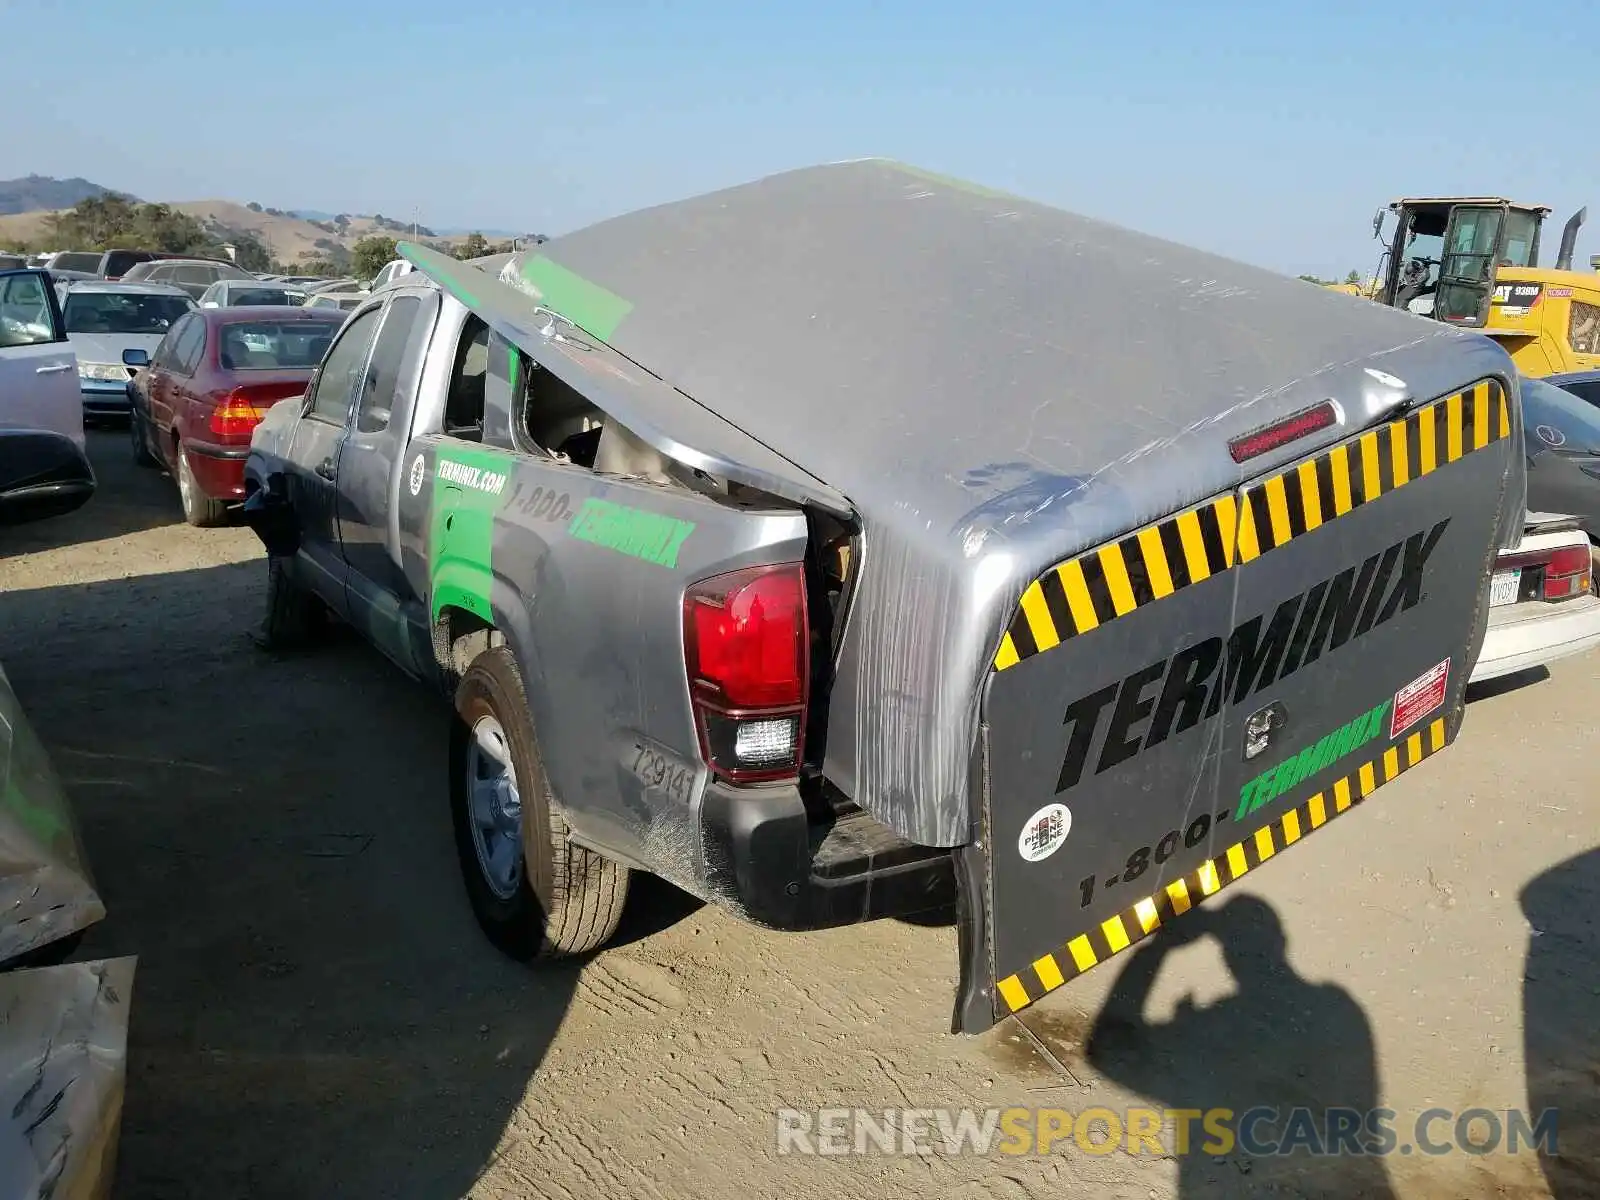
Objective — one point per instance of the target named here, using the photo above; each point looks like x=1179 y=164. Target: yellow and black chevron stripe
x=1117 y=933
x=1087 y=591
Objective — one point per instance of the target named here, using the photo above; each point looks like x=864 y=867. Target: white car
x=390 y=273
x=235 y=293
x=38 y=366
x=1542 y=603
x=344 y=301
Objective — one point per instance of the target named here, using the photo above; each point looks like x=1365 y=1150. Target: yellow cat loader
x=1473 y=262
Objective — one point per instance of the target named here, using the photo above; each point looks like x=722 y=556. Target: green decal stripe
x=447 y=271
x=585 y=303
x=647 y=536
x=461 y=528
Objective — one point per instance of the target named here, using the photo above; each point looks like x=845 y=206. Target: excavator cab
x=1444 y=253
x=1473 y=262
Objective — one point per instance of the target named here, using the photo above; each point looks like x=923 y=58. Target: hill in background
x=32 y=193
x=288 y=237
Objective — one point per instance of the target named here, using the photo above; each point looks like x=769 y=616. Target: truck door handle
x=325 y=469
x=53 y=370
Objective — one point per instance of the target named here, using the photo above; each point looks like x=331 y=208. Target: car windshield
x=244 y=296
x=1575 y=422
x=276 y=345
x=122 y=312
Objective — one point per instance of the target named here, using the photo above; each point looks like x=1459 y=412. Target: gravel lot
x=315 y=1013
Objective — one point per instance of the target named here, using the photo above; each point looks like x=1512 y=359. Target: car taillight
x=238 y=412
x=746 y=642
x=1567 y=573
x=242 y=409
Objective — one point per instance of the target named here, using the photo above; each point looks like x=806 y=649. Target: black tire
x=138 y=440
x=568 y=899
x=293 y=617
x=198 y=509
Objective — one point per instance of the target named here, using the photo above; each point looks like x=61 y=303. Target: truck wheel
x=198 y=508
x=293 y=614
x=536 y=894
x=136 y=435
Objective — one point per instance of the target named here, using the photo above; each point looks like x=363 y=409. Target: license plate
x=1503 y=588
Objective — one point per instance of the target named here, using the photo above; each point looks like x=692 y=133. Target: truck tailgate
x=1169 y=711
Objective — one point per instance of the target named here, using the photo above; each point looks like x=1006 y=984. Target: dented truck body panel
x=992 y=383
x=1069 y=610
x=584 y=575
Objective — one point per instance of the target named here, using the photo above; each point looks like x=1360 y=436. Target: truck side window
x=334 y=391
x=463 y=409
x=383 y=371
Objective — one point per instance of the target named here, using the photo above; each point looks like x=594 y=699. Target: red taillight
x=242 y=409
x=1281 y=433
x=746 y=641
x=237 y=414
x=1567 y=573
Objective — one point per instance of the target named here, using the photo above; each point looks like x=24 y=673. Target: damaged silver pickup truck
x=855 y=541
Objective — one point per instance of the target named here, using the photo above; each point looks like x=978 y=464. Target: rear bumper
x=218 y=470
x=781 y=864
x=1536 y=633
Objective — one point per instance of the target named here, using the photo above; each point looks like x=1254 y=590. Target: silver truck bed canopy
x=993 y=383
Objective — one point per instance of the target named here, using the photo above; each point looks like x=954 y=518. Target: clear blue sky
x=1265 y=131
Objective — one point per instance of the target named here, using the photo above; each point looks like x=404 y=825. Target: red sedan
x=196 y=401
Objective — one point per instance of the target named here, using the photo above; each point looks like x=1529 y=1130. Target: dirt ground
x=316 y=1015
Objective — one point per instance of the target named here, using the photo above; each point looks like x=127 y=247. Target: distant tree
x=253 y=206
x=1311 y=279
x=1353 y=277
x=474 y=245
x=369 y=256
x=501 y=248
x=250 y=253
x=342 y=221
x=109 y=221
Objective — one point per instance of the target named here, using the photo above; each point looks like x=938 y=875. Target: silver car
x=103 y=320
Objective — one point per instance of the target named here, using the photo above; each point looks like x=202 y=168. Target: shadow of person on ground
x=1561 y=1019
x=1280 y=1043
x=316 y=1011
